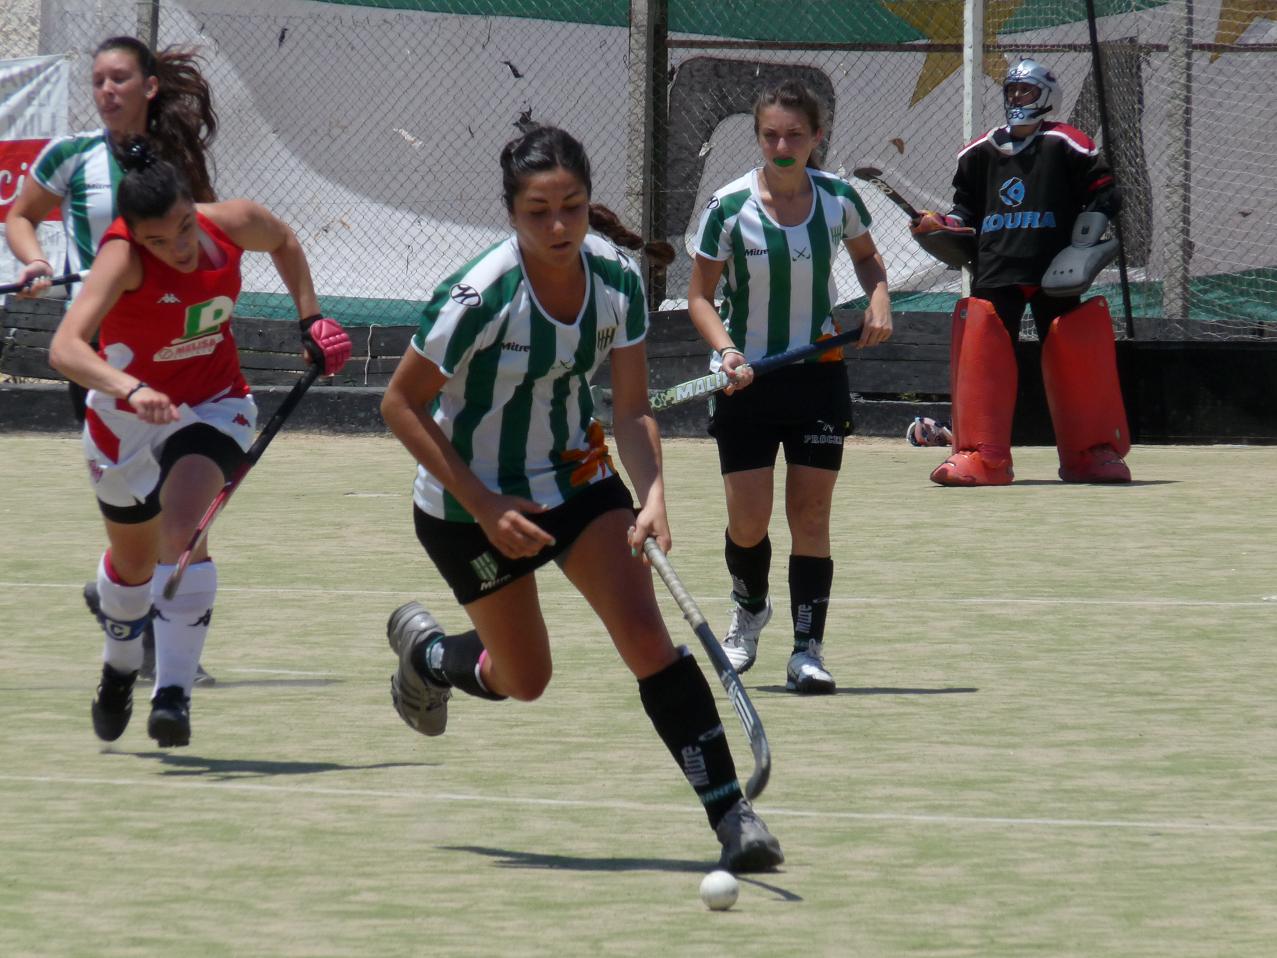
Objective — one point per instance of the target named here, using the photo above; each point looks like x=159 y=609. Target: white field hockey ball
x=719 y=890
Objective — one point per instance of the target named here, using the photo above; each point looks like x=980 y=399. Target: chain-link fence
x=373 y=126
x=376 y=132
x=1190 y=90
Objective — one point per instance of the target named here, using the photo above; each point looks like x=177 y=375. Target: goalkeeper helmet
x=1028 y=92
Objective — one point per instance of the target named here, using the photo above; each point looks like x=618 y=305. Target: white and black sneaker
x=747 y=844
x=741 y=643
x=806 y=673
x=420 y=702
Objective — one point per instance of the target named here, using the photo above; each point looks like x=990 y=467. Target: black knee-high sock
x=681 y=706
x=454 y=660
x=810 y=581
x=749 y=566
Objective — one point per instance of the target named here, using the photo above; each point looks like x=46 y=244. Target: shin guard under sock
x=454 y=660
x=810 y=581
x=182 y=622
x=125 y=610
x=749 y=566
x=681 y=706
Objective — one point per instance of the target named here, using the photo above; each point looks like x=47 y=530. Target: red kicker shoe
x=974 y=467
x=1097 y=464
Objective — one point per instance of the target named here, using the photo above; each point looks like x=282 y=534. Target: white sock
x=123 y=604
x=181 y=623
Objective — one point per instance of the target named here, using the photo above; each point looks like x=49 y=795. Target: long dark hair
x=151 y=185
x=543 y=148
x=180 y=119
x=798 y=97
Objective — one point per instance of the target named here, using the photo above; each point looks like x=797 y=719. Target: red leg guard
x=983 y=383
x=1079 y=370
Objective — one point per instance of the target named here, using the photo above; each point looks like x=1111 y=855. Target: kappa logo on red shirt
x=240 y=419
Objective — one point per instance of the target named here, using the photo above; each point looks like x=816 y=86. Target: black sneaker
x=747 y=844
x=170 y=722
x=421 y=702
x=113 y=706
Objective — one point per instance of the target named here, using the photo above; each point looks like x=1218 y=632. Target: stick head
x=602 y=400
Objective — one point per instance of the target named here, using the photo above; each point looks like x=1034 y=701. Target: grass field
x=1056 y=733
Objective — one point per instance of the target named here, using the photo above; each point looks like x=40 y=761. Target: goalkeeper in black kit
x=1038 y=197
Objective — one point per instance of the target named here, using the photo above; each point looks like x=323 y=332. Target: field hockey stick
x=726 y=674
x=873 y=175
x=703 y=386
x=65 y=280
x=250 y=459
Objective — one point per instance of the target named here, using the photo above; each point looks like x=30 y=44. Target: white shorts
x=123 y=452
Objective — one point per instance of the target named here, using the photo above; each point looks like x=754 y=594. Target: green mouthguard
x=784 y=161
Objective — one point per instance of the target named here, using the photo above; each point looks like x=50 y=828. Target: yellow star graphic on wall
x=940 y=21
x=1236 y=17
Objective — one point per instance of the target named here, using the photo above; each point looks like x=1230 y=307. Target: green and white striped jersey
x=778 y=284
x=81 y=169
x=517 y=405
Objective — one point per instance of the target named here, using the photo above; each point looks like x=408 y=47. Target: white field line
x=1268 y=601
x=412 y=796
x=220 y=670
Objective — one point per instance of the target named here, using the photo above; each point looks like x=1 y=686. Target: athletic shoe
x=741 y=644
x=925 y=431
x=113 y=706
x=975 y=467
x=747 y=844
x=147 y=672
x=1097 y=464
x=806 y=673
x=420 y=702
x=170 y=722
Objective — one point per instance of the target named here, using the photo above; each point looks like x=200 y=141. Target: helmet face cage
x=1035 y=74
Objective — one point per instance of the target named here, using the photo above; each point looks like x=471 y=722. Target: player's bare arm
x=706 y=274
x=638 y=442
x=412 y=390
x=872 y=273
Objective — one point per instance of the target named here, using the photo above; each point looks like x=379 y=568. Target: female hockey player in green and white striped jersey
x=773 y=234
x=162 y=96
x=492 y=400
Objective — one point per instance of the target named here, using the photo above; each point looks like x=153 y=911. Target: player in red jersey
x=1024 y=187
x=169 y=414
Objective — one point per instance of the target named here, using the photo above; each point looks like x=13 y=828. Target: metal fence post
x=647 y=121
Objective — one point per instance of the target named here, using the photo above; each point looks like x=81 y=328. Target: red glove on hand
x=326 y=343
x=931 y=222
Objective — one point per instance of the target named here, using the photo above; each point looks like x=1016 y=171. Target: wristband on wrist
x=306 y=323
x=129 y=395
x=729 y=349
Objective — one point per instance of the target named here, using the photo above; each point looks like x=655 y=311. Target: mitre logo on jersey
x=466 y=295
x=712 y=204
x=1011 y=192
x=603 y=341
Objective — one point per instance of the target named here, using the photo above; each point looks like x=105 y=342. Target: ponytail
x=180 y=120
x=607 y=223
